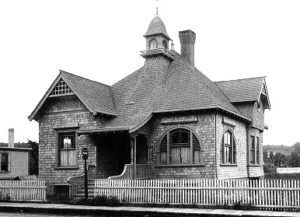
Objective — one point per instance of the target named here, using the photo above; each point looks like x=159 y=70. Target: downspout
x=216 y=146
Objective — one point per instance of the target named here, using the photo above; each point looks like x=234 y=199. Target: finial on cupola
x=157 y=8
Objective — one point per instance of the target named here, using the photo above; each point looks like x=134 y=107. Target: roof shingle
x=242 y=90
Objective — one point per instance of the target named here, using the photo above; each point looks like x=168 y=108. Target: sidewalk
x=134 y=211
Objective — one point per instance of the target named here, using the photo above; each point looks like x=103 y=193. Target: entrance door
x=141 y=150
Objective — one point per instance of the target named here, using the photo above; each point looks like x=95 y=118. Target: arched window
x=165 y=45
x=153 y=44
x=228 y=154
x=179 y=146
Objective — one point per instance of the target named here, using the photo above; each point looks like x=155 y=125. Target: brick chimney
x=187 y=41
x=11 y=138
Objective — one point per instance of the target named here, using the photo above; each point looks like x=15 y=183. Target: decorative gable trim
x=61 y=89
x=264 y=96
x=50 y=91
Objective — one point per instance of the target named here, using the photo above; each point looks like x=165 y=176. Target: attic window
x=61 y=89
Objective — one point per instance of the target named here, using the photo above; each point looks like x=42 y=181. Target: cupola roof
x=156 y=27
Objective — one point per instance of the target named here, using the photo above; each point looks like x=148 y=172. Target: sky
x=102 y=40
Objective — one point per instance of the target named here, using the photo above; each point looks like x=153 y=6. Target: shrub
x=4 y=197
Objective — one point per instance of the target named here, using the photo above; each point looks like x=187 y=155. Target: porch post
x=133 y=155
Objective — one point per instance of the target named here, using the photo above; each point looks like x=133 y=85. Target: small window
x=153 y=44
x=165 y=44
x=183 y=147
x=4 y=162
x=228 y=154
x=254 y=155
x=67 y=149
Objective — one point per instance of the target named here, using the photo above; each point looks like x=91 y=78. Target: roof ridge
x=239 y=79
x=63 y=71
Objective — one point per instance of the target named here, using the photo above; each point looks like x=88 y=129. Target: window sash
x=257 y=150
x=228 y=151
x=180 y=151
x=4 y=162
x=67 y=153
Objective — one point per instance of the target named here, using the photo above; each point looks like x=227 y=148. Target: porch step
x=91 y=190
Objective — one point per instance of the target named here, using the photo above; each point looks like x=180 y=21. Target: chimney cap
x=188 y=30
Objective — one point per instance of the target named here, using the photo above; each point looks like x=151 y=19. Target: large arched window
x=228 y=152
x=179 y=146
x=153 y=44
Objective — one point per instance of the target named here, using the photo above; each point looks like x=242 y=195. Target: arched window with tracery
x=153 y=44
x=228 y=150
x=179 y=146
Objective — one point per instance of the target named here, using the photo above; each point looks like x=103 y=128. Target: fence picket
x=260 y=193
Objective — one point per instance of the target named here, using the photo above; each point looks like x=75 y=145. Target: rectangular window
x=4 y=162
x=257 y=150
x=252 y=150
x=67 y=155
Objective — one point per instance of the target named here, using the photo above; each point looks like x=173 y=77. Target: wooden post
x=133 y=155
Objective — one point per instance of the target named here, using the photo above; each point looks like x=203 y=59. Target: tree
x=34 y=158
x=279 y=159
x=297 y=147
x=271 y=157
x=265 y=157
x=294 y=160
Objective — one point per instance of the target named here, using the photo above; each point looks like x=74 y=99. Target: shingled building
x=165 y=120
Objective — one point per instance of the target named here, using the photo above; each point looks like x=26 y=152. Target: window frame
x=8 y=163
x=167 y=136
x=156 y=44
x=254 y=150
x=231 y=147
x=58 y=149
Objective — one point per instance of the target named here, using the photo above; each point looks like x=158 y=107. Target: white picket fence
x=258 y=193
x=24 y=190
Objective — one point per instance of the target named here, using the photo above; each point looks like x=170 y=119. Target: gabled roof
x=156 y=27
x=97 y=97
x=245 y=90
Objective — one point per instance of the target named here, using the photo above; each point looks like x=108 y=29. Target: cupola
x=157 y=39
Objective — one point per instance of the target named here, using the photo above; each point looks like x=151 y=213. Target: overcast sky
x=102 y=40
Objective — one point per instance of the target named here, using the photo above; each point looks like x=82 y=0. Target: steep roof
x=180 y=87
x=245 y=90
x=97 y=97
x=156 y=27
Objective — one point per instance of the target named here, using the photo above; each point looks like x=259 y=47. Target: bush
x=97 y=201
x=240 y=206
x=4 y=197
x=54 y=198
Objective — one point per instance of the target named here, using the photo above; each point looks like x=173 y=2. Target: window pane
x=180 y=137
x=175 y=137
x=4 y=162
x=67 y=156
x=175 y=156
x=184 y=153
x=252 y=150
